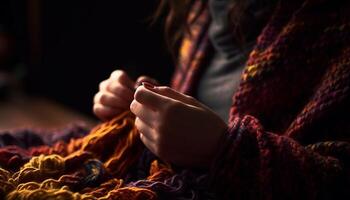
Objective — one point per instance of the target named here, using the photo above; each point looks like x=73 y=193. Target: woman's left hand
x=176 y=127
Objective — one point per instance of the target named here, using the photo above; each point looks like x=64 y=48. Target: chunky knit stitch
x=294 y=92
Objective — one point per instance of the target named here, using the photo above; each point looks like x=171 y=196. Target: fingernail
x=137 y=84
x=148 y=85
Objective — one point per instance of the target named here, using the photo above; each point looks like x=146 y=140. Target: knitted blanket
x=289 y=126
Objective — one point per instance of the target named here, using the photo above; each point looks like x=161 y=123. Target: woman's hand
x=176 y=127
x=115 y=94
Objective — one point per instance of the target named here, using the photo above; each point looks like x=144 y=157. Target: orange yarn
x=49 y=176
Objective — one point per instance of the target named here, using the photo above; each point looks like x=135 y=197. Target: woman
x=286 y=134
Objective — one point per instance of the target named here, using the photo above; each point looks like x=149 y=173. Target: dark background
x=63 y=49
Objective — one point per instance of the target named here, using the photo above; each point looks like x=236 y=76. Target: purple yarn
x=26 y=138
x=185 y=185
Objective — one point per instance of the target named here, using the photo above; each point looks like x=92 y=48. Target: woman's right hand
x=116 y=94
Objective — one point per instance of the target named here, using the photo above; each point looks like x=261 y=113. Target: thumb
x=172 y=94
x=146 y=79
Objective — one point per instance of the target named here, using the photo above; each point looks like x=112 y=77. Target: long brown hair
x=176 y=24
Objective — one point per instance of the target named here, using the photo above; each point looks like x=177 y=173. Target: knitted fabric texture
x=292 y=104
x=288 y=134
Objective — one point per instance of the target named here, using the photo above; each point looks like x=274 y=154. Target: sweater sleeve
x=255 y=164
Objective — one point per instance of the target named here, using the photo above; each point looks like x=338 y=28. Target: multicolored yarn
x=68 y=170
x=288 y=135
x=108 y=163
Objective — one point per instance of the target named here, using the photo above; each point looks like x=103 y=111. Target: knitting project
x=108 y=163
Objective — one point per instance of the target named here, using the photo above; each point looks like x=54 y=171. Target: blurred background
x=53 y=54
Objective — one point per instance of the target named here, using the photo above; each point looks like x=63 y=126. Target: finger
x=150 y=145
x=103 y=85
x=145 y=79
x=119 y=90
x=173 y=94
x=121 y=77
x=144 y=113
x=150 y=99
x=97 y=97
x=146 y=130
x=109 y=99
x=105 y=112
